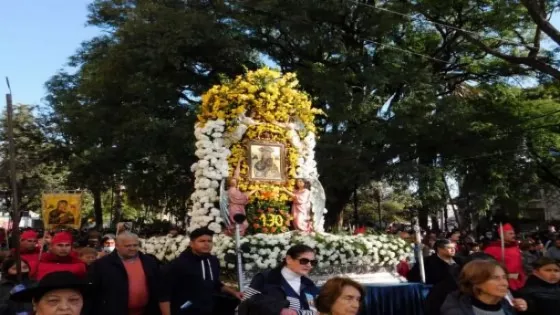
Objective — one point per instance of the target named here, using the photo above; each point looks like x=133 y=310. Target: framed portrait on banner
x=62 y=209
x=267 y=161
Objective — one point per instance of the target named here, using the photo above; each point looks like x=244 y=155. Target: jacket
x=460 y=304
x=436 y=270
x=193 y=278
x=51 y=263
x=541 y=296
x=110 y=284
x=513 y=262
x=269 y=291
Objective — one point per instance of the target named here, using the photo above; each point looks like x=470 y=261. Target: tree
x=37 y=168
x=128 y=111
x=512 y=31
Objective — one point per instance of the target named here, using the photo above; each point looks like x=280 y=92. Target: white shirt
x=293 y=279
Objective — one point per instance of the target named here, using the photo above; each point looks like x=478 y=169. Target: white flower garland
x=210 y=169
x=333 y=251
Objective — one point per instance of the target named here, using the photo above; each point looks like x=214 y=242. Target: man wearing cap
x=437 y=267
x=60 y=258
x=511 y=257
x=28 y=249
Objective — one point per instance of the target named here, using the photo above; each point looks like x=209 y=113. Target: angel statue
x=318 y=199
x=233 y=201
x=293 y=125
x=243 y=123
x=301 y=206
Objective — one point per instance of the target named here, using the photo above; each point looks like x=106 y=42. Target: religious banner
x=62 y=210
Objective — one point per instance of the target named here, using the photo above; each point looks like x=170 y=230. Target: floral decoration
x=269 y=217
x=334 y=252
x=259 y=105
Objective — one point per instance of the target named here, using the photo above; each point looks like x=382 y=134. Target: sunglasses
x=305 y=261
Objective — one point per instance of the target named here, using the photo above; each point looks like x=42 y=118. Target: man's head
x=509 y=233
x=201 y=241
x=28 y=240
x=547 y=269
x=557 y=241
x=455 y=236
x=127 y=245
x=61 y=244
x=62 y=205
x=88 y=255
x=445 y=248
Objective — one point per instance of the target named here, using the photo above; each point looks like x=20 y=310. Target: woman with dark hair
x=483 y=287
x=340 y=296
x=542 y=289
x=285 y=290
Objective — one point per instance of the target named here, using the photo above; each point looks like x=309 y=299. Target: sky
x=36 y=39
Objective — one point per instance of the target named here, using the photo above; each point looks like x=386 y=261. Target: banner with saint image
x=62 y=210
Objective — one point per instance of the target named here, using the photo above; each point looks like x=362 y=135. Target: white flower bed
x=333 y=251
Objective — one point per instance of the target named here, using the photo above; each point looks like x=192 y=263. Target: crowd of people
x=503 y=276
x=112 y=276
x=108 y=274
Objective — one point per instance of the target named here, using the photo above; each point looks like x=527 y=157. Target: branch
x=534 y=11
x=531 y=62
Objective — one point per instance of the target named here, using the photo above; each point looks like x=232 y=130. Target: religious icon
x=61 y=210
x=266 y=161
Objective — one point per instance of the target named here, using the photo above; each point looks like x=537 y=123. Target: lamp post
x=378 y=195
x=13 y=176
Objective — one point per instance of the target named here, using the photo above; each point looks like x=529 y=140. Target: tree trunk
x=355 y=199
x=335 y=205
x=97 y=206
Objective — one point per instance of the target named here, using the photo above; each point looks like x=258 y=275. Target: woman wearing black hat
x=58 y=293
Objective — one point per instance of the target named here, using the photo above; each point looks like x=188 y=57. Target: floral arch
x=260 y=113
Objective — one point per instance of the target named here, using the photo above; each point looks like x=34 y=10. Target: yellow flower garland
x=269 y=97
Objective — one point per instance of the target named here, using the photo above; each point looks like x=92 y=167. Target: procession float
x=255 y=143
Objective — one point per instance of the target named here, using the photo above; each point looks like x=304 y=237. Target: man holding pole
x=506 y=250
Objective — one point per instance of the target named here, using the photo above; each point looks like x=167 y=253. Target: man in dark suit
x=437 y=267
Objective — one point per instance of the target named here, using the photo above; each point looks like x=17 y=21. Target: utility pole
x=13 y=175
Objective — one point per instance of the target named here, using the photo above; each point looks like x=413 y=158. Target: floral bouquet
x=268 y=217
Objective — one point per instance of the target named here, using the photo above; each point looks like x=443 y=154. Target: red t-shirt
x=51 y=263
x=137 y=287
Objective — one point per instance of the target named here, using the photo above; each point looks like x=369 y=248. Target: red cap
x=506 y=227
x=28 y=235
x=62 y=237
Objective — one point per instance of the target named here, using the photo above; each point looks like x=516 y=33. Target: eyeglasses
x=305 y=261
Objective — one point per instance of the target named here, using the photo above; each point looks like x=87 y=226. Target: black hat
x=52 y=281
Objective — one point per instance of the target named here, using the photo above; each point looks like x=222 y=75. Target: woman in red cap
x=60 y=258
x=511 y=258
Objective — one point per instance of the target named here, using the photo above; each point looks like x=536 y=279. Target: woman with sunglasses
x=285 y=290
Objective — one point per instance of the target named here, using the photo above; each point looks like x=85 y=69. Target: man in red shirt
x=28 y=249
x=59 y=258
x=512 y=258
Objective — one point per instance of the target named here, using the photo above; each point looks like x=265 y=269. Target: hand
x=288 y=311
x=520 y=305
x=238 y=295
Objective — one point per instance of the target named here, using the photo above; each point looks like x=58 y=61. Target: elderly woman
x=286 y=289
x=483 y=287
x=340 y=296
x=59 y=292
